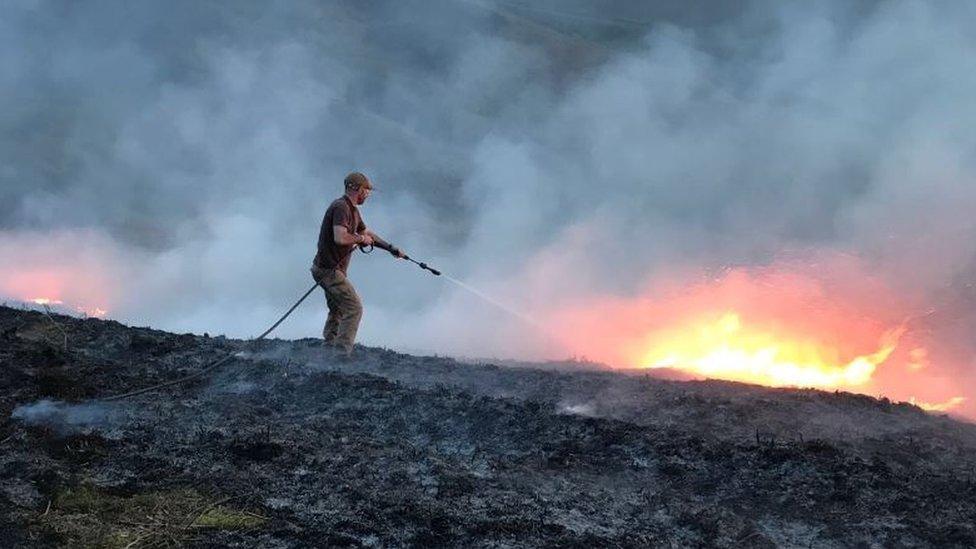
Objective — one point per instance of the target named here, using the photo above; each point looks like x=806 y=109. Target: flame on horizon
x=45 y=301
x=727 y=348
x=77 y=291
x=946 y=406
x=48 y=302
x=828 y=324
x=75 y=271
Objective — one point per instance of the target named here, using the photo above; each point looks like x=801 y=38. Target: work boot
x=345 y=354
x=336 y=353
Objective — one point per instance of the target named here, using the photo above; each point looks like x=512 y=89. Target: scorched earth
x=287 y=447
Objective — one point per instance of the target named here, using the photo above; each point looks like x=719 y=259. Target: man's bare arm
x=343 y=237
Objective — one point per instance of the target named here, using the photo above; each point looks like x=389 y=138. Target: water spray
x=521 y=316
x=396 y=252
x=517 y=314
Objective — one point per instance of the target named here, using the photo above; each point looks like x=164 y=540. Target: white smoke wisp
x=65 y=418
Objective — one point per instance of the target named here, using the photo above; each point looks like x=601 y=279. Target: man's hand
x=398 y=253
x=343 y=237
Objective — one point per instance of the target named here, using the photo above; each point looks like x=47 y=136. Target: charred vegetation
x=287 y=447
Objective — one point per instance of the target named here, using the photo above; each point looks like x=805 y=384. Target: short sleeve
x=342 y=216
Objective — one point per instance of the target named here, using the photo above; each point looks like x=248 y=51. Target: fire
x=727 y=348
x=779 y=325
x=72 y=271
x=950 y=404
x=46 y=301
x=94 y=311
x=49 y=302
x=825 y=322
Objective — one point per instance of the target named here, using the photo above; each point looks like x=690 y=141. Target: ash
x=398 y=450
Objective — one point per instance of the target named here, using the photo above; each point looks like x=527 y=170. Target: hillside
x=286 y=446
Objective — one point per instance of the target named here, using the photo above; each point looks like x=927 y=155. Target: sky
x=171 y=163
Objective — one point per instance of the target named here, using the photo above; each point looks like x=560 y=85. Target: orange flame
x=53 y=288
x=725 y=348
x=46 y=301
x=950 y=404
x=71 y=269
x=97 y=312
x=94 y=311
x=826 y=322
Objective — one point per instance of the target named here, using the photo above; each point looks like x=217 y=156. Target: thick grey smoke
x=539 y=151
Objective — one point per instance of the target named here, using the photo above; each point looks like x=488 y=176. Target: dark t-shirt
x=331 y=255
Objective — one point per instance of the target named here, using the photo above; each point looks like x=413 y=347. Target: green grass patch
x=228 y=519
x=84 y=516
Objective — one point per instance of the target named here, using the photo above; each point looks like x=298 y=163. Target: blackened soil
x=396 y=450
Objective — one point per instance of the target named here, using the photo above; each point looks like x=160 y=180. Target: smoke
x=67 y=418
x=543 y=154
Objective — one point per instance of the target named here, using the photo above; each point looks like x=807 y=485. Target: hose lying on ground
x=212 y=365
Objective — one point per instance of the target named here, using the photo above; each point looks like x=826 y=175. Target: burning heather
x=45 y=301
x=60 y=306
x=946 y=406
x=780 y=326
x=67 y=271
x=725 y=349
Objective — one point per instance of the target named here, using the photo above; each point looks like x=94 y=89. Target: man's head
x=358 y=187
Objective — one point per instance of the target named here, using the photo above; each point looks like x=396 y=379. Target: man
x=342 y=230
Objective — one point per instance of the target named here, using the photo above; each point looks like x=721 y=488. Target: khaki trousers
x=345 y=308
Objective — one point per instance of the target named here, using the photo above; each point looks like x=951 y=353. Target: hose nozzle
x=431 y=269
x=423 y=265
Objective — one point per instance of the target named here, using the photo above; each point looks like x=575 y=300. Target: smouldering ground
x=286 y=447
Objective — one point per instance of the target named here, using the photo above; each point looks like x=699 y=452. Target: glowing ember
x=725 y=348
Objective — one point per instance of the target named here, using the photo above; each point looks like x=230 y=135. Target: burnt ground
x=287 y=446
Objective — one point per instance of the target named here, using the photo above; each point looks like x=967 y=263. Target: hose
x=397 y=253
x=213 y=364
x=227 y=358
